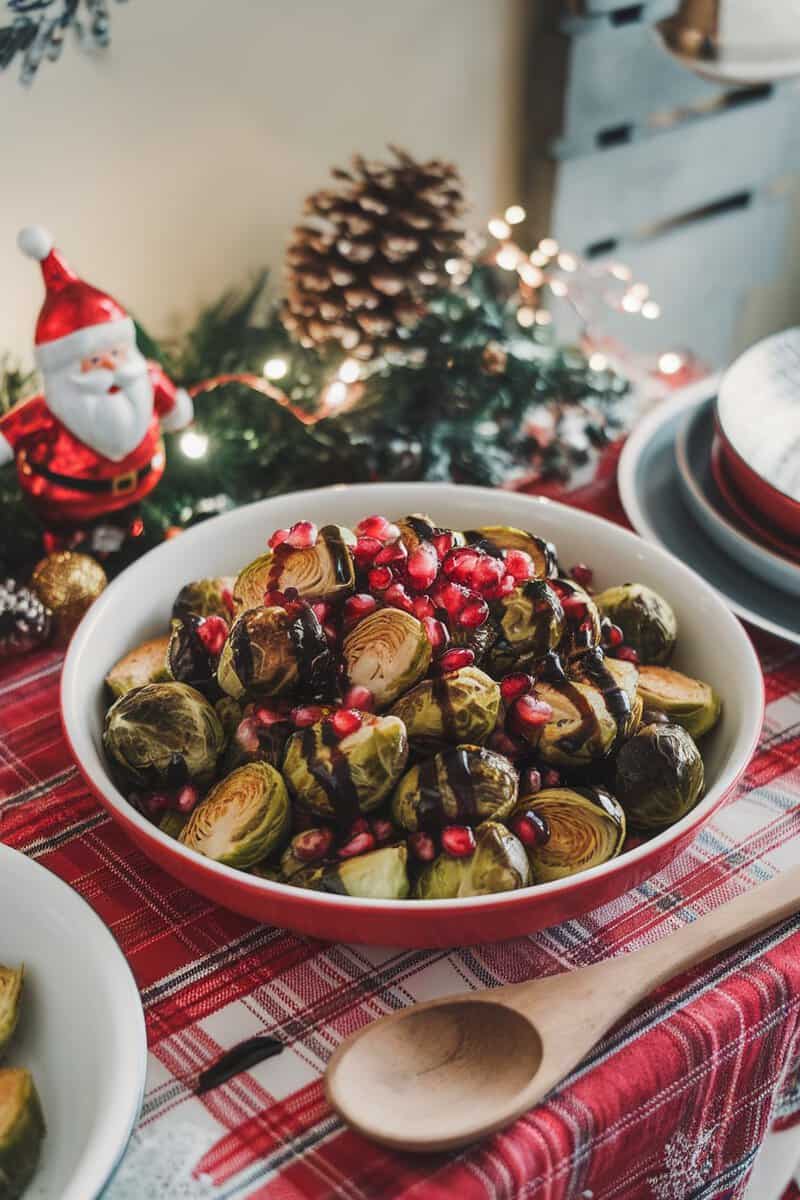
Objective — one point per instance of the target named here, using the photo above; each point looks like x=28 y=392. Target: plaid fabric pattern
x=673 y=1104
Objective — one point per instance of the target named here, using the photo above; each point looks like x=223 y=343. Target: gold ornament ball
x=67 y=583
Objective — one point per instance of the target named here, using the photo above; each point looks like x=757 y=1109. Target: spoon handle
x=728 y=925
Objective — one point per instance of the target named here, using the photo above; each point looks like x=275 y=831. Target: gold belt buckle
x=122 y=484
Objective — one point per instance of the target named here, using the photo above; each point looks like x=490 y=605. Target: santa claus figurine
x=91 y=443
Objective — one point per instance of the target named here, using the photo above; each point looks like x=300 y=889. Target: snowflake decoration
x=160 y=1163
x=38 y=26
x=687 y=1165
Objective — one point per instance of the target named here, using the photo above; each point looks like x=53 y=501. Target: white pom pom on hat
x=35 y=241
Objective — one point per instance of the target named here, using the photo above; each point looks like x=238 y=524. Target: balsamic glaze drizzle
x=239 y=1058
x=336 y=781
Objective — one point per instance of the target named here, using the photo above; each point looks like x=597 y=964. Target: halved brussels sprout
x=163 y=734
x=378 y=875
x=173 y=823
x=243 y=819
x=497 y=864
x=581 y=729
x=229 y=712
x=255 y=740
x=645 y=618
x=146 y=664
x=321 y=572
x=461 y=706
x=495 y=538
x=388 y=652
x=11 y=979
x=463 y=785
x=689 y=702
x=532 y=619
x=419 y=527
x=269 y=653
x=582 y=617
x=344 y=777
x=21 y=1131
x=659 y=776
x=292 y=864
x=188 y=659
x=587 y=827
x=205 y=598
x=616 y=678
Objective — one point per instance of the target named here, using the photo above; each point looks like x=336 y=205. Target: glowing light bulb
x=530 y=274
x=507 y=258
x=670 y=363
x=515 y=214
x=543 y=317
x=651 y=310
x=631 y=302
x=639 y=289
x=549 y=246
x=567 y=262
x=538 y=258
x=452 y=266
x=558 y=287
x=620 y=271
x=275 y=368
x=499 y=228
x=194 y=444
x=598 y=362
x=526 y=316
x=349 y=371
x=336 y=394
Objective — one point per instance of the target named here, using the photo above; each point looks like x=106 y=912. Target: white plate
x=649 y=487
x=81 y=1033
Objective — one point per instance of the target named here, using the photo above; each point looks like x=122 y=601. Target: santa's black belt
x=120 y=485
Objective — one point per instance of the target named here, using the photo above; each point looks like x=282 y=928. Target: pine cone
x=360 y=268
x=24 y=621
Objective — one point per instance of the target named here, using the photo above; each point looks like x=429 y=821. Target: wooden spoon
x=441 y=1074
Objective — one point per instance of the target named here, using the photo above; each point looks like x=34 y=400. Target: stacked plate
x=714 y=475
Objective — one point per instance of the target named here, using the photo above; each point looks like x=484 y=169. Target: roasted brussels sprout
x=581 y=729
x=173 y=823
x=21 y=1131
x=616 y=678
x=645 y=618
x=189 y=659
x=257 y=740
x=230 y=714
x=293 y=861
x=531 y=621
x=377 y=875
x=586 y=827
x=689 y=702
x=243 y=819
x=419 y=527
x=496 y=538
x=463 y=785
x=343 y=776
x=146 y=664
x=10 y=999
x=262 y=871
x=320 y=572
x=387 y=652
x=479 y=640
x=269 y=653
x=163 y=734
x=497 y=864
x=461 y=706
x=205 y=598
x=659 y=776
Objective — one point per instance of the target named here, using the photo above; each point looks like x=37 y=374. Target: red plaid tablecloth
x=674 y=1104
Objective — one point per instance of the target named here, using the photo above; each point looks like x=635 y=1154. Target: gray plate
x=650 y=488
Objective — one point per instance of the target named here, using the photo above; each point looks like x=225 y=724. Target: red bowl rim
x=731 y=452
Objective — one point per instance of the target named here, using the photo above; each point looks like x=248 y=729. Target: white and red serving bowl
x=712 y=645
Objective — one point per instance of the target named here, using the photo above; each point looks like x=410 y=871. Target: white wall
x=177 y=161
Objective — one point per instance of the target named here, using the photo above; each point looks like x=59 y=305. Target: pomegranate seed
x=504 y=588
x=423 y=566
x=360 y=698
x=313 y=844
x=155 y=803
x=627 y=654
x=380 y=578
x=582 y=575
x=473 y=614
x=365 y=550
x=488 y=573
x=345 y=721
x=455 y=659
x=503 y=744
x=614 y=635
x=362 y=843
x=360 y=825
x=436 y=632
x=396 y=596
x=382 y=830
x=321 y=610
x=422 y=607
x=392 y=554
x=213 y=633
x=451 y=597
x=458 y=841
x=516 y=685
x=531 y=781
x=265 y=717
x=274 y=599
x=227 y=600
x=302 y=535
x=279 y=536
x=442 y=543
x=574 y=607
x=551 y=777
x=421 y=846
x=460 y=563
x=378 y=527
x=306 y=714
x=531 y=829
x=531 y=713
x=187 y=798
x=520 y=565
x=359 y=606
x=247 y=735
x=291 y=593
x=331 y=633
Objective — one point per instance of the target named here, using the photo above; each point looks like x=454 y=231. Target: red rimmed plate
x=746 y=517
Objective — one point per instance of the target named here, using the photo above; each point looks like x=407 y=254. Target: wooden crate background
x=632 y=157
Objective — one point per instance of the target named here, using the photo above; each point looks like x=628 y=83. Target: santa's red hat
x=76 y=320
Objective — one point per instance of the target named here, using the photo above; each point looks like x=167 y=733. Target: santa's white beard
x=111 y=423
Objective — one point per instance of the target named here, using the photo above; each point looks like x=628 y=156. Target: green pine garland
x=437 y=410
